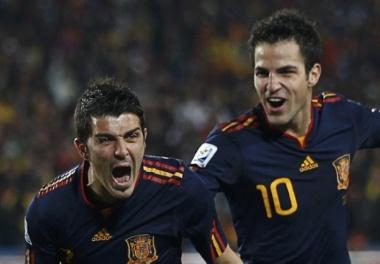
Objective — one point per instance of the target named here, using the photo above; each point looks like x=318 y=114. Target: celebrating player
x=120 y=205
x=284 y=165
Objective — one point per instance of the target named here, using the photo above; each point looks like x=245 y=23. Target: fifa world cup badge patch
x=26 y=234
x=342 y=169
x=204 y=154
x=141 y=249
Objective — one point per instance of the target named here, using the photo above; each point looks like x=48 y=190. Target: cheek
x=99 y=162
x=299 y=86
x=259 y=86
x=101 y=155
x=138 y=154
x=303 y=95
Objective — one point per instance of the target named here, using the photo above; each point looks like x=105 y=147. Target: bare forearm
x=228 y=257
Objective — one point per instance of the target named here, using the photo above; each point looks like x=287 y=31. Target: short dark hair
x=104 y=96
x=288 y=24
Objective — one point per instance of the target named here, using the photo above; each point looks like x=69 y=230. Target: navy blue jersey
x=287 y=198
x=63 y=225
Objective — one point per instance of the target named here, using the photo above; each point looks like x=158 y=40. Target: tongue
x=121 y=174
x=122 y=179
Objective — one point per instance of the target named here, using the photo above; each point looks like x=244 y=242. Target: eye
x=104 y=139
x=261 y=73
x=287 y=71
x=132 y=136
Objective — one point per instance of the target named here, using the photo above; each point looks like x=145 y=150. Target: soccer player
x=120 y=205
x=284 y=165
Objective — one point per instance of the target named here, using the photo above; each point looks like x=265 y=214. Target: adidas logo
x=308 y=164
x=101 y=235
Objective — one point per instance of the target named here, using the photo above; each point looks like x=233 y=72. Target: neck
x=298 y=131
x=300 y=125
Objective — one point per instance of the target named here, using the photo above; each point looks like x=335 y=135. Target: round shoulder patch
x=204 y=154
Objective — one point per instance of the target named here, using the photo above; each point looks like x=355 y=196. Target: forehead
x=282 y=53
x=115 y=124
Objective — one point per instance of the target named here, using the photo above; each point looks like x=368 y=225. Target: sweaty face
x=283 y=86
x=115 y=152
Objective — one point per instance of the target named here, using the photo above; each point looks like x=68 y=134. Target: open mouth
x=276 y=102
x=121 y=174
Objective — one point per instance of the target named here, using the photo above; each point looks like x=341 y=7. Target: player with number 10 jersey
x=288 y=196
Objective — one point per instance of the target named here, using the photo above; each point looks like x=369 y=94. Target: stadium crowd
x=188 y=62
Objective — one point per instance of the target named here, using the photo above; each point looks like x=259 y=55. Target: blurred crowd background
x=188 y=62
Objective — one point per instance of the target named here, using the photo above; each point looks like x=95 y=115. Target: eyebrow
x=258 y=68
x=132 y=131
x=286 y=67
x=125 y=134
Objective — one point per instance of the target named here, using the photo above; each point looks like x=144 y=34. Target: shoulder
x=337 y=104
x=172 y=172
x=331 y=106
x=174 y=182
x=248 y=119
x=58 y=183
x=230 y=135
x=51 y=208
x=163 y=170
x=326 y=98
x=50 y=196
x=331 y=100
x=227 y=138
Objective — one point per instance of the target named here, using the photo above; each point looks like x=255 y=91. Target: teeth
x=122 y=179
x=275 y=100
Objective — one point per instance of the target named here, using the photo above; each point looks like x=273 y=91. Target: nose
x=121 y=150
x=273 y=82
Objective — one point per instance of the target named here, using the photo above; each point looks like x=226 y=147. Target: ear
x=81 y=148
x=145 y=134
x=314 y=74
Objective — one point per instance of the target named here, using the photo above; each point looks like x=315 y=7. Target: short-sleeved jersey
x=169 y=202
x=287 y=198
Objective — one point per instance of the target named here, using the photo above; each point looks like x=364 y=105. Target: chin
x=124 y=194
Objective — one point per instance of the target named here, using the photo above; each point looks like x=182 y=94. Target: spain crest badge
x=141 y=249
x=342 y=169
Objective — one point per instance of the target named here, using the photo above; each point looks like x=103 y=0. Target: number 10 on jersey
x=273 y=189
